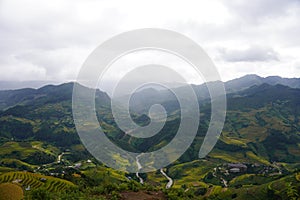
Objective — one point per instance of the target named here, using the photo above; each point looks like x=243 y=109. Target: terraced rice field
x=26 y=179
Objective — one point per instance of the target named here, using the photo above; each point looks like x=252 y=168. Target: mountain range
x=261 y=132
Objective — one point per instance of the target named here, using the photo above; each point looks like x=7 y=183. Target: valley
x=257 y=155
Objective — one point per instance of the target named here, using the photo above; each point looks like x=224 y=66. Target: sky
x=50 y=40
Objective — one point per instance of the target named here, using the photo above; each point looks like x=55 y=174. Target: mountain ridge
x=260 y=135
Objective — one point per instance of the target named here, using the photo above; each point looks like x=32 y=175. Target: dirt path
x=139 y=167
x=170 y=183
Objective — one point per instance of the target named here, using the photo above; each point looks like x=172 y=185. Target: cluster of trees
x=39 y=157
x=16 y=129
x=50 y=133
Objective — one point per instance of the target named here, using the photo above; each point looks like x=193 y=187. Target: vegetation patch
x=10 y=191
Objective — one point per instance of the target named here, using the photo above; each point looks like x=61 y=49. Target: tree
x=40 y=194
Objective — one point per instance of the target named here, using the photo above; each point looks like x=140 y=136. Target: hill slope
x=262 y=131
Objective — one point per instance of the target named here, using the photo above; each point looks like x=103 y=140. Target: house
x=27 y=188
x=240 y=166
x=255 y=165
x=226 y=173
x=43 y=179
x=77 y=165
x=17 y=181
x=234 y=170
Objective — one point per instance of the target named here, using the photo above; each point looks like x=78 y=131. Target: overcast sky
x=49 y=40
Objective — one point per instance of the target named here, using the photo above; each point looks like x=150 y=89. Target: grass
x=6 y=169
x=24 y=120
x=10 y=161
x=11 y=147
x=190 y=173
x=49 y=149
x=16 y=154
x=250 y=179
x=216 y=190
x=233 y=141
x=156 y=178
x=122 y=162
x=254 y=157
x=10 y=191
x=261 y=191
x=106 y=175
x=254 y=133
x=232 y=157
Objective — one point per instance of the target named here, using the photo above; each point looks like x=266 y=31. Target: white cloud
x=251 y=54
x=49 y=40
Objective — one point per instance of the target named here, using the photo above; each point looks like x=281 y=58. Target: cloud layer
x=251 y=54
x=50 y=40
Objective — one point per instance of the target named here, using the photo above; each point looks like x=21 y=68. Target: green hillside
x=261 y=136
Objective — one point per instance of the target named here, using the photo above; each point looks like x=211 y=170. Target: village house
x=236 y=167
